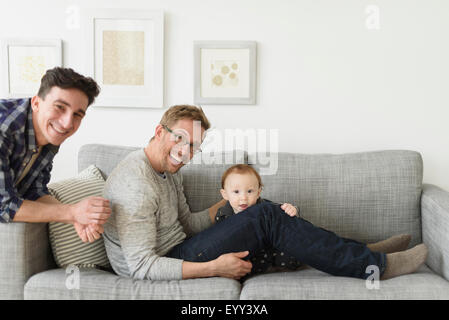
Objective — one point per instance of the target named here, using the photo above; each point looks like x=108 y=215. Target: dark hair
x=66 y=78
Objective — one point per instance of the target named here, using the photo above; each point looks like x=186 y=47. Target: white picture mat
x=149 y=95
x=25 y=61
x=205 y=52
x=209 y=57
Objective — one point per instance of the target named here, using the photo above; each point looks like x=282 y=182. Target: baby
x=241 y=187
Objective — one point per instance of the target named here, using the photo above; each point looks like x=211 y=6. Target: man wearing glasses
x=150 y=215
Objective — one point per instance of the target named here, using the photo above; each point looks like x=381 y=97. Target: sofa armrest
x=435 y=227
x=24 y=251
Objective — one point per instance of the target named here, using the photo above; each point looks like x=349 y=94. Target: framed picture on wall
x=125 y=56
x=25 y=61
x=225 y=72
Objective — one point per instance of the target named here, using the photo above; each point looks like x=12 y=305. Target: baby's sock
x=404 y=262
x=393 y=244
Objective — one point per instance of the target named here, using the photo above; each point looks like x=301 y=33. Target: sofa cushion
x=367 y=196
x=103 y=285
x=311 y=284
x=24 y=251
x=66 y=245
x=104 y=157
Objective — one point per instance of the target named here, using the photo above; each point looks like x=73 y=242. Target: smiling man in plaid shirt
x=31 y=131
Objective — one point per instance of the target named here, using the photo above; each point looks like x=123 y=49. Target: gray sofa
x=366 y=196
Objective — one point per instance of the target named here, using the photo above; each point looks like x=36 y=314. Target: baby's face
x=241 y=190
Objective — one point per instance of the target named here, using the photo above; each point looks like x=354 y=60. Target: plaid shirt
x=17 y=146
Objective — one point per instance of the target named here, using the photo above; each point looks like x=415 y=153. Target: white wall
x=325 y=81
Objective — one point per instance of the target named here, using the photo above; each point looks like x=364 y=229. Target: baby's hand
x=289 y=209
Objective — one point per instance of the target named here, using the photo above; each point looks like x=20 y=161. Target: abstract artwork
x=225 y=72
x=123 y=57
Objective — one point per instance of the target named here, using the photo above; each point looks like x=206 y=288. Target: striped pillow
x=67 y=247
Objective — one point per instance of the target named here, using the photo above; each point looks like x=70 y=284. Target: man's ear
x=35 y=100
x=223 y=194
x=158 y=131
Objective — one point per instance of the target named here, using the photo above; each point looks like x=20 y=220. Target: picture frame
x=225 y=72
x=125 y=55
x=25 y=61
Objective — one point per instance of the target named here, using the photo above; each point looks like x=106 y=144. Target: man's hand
x=231 y=265
x=89 y=232
x=88 y=217
x=85 y=233
x=92 y=210
x=289 y=209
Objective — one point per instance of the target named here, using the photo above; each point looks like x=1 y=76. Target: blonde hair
x=240 y=169
x=179 y=112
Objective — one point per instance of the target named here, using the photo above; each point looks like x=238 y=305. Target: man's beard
x=171 y=163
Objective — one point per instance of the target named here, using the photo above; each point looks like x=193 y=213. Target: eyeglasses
x=182 y=141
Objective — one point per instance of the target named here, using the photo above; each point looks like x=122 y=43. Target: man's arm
x=229 y=265
x=37 y=205
x=193 y=222
x=40 y=206
x=43 y=211
x=48 y=209
x=87 y=216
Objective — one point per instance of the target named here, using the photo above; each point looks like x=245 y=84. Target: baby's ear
x=223 y=194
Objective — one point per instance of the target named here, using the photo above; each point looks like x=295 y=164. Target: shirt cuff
x=9 y=210
x=36 y=194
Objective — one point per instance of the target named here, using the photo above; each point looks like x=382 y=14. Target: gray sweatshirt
x=149 y=217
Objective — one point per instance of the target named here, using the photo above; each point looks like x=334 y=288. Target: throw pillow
x=67 y=247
